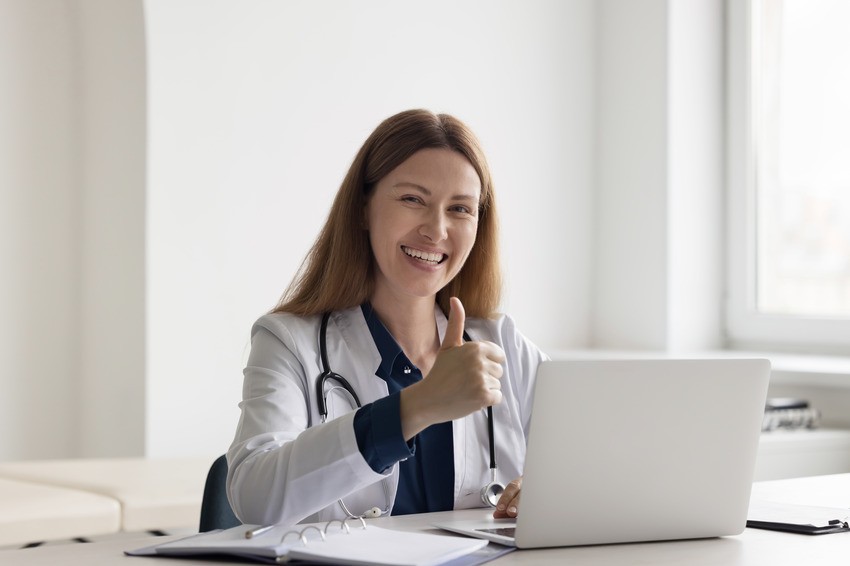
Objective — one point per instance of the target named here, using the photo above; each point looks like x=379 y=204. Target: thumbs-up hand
x=465 y=378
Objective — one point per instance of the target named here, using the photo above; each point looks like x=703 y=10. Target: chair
x=216 y=512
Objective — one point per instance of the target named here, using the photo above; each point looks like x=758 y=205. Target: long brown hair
x=339 y=270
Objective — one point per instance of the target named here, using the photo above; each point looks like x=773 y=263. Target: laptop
x=635 y=450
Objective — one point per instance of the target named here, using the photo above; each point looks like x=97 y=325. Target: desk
x=752 y=548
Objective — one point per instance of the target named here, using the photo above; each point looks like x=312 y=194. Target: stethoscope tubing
x=322 y=404
x=321 y=396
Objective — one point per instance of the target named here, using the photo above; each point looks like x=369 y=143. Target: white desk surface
x=752 y=548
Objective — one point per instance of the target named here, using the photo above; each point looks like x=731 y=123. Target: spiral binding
x=302 y=534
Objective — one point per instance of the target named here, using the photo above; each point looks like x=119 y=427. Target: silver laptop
x=636 y=450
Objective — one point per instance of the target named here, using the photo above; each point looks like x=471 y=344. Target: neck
x=411 y=322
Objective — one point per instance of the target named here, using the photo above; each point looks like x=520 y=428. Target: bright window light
x=801 y=138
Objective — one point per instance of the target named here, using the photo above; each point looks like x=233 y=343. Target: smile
x=428 y=257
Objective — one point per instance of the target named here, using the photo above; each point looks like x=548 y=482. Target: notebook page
x=370 y=545
x=374 y=545
x=233 y=541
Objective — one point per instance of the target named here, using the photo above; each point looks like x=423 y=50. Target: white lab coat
x=285 y=466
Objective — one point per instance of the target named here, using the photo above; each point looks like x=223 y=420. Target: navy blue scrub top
x=426 y=470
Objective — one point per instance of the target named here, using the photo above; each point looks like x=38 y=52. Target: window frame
x=745 y=328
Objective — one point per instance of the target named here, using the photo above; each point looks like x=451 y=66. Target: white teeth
x=426 y=256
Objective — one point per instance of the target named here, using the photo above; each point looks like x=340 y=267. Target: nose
x=435 y=227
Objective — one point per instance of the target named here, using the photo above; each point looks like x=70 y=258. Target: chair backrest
x=215 y=508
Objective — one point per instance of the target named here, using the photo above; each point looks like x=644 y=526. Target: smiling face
x=422 y=220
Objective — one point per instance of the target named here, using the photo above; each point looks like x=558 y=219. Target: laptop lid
x=639 y=450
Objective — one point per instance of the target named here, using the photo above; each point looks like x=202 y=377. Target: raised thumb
x=457 y=320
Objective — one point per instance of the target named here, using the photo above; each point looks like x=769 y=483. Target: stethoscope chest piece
x=491 y=492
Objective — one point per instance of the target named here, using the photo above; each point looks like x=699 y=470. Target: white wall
x=256 y=109
x=72 y=159
x=695 y=165
x=165 y=164
x=39 y=231
x=658 y=229
x=111 y=387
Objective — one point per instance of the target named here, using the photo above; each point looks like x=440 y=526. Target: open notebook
x=636 y=450
x=350 y=542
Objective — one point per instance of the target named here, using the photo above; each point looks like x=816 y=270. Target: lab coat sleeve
x=526 y=361
x=523 y=359
x=281 y=470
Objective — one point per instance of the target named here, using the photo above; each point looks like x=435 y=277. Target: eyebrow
x=427 y=192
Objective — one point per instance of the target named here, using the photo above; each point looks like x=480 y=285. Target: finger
x=510 y=493
x=508 y=503
x=513 y=506
x=493 y=351
x=494 y=397
x=454 y=330
x=494 y=370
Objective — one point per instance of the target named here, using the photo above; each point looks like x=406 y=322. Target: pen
x=251 y=533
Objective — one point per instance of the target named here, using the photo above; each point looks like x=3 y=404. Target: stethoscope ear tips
x=490 y=493
x=373 y=513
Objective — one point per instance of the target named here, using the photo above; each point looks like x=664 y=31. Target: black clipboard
x=800 y=519
x=838 y=527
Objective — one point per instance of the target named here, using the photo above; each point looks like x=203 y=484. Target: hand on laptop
x=508 y=505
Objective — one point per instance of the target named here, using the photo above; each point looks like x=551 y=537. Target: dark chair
x=215 y=508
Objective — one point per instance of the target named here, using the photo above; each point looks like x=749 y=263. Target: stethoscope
x=490 y=493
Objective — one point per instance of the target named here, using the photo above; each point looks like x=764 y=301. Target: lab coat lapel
x=358 y=356
x=358 y=359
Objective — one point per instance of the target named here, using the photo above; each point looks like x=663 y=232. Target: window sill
x=809 y=370
x=787 y=369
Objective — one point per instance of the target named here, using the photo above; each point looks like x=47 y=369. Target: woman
x=405 y=266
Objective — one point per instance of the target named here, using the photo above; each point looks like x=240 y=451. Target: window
x=789 y=174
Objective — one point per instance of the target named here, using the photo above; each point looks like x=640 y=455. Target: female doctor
x=367 y=389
